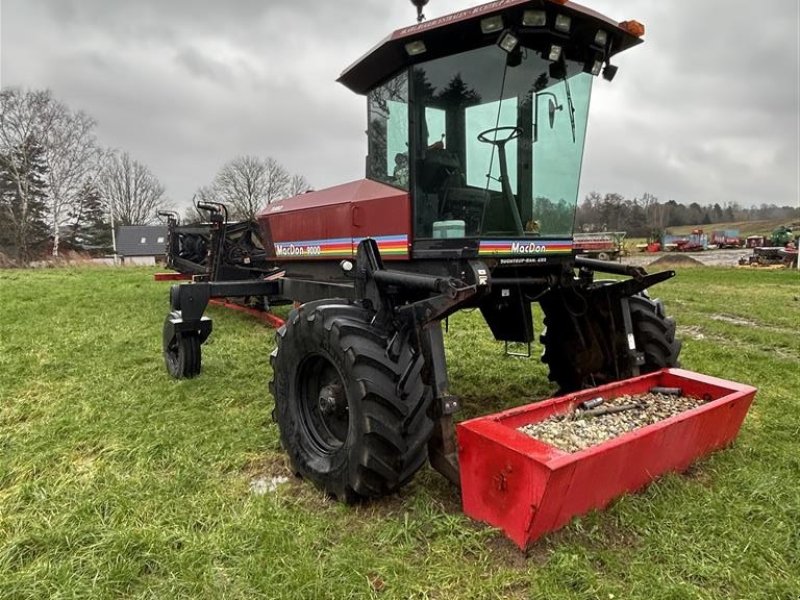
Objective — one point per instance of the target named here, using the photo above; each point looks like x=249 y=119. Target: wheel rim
x=324 y=412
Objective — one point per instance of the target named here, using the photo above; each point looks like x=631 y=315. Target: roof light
x=415 y=48
x=563 y=23
x=508 y=41
x=600 y=38
x=492 y=24
x=594 y=64
x=635 y=28
x=534 y=18
x=555 y=53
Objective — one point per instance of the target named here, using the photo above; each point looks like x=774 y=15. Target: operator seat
x=438 y=171
x=439 y=167
x=467 y=204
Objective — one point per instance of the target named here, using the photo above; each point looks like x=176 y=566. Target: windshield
x=499 y=148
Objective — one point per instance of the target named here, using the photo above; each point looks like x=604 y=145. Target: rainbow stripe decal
x=524 y=247
x=389 y=245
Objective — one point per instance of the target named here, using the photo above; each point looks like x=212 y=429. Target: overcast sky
x=706 y=110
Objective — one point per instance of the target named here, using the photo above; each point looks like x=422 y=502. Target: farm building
x=141 y=244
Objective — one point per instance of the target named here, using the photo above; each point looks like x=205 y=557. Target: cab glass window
x=387 y=132
x=500 y=144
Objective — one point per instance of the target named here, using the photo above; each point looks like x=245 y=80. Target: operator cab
x=481 y=116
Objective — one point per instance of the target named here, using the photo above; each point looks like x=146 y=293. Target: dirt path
x=709 y=258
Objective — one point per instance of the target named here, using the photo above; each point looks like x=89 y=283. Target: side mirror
x=552 y=107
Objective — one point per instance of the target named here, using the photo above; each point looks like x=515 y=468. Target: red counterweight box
x=527 y=487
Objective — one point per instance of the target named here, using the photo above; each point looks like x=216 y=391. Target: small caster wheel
x=182 y=355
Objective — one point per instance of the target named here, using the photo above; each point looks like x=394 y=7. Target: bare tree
x=655 y=212
x=242 y=183
x=298 y=185
x=249 y=183
x=131 y=190
x=73 y=159
x=67 y=139
x=278 y=180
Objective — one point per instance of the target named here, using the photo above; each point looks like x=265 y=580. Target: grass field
x=745 y=228
x=118 y=482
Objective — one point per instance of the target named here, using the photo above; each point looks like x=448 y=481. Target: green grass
x=118 y=482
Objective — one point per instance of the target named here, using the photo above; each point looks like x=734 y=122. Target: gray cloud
x=706 y=110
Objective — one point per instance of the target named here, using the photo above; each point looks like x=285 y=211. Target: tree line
x=58 y=185
x=60 y=189
x=642 y=216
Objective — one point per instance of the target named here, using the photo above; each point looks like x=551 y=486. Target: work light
x=508 y=41
x=600 y=38
x=563 y=23
x=492 y=24
x=416 y=47
x=534 y=18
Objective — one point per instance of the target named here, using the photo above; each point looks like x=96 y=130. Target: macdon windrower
x=476 y=124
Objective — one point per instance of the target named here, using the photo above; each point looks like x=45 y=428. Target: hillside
x=745 y=227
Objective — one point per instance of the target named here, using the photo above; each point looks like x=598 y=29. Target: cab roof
x=461 y=31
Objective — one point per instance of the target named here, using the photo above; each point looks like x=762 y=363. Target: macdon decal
x=525 y=247
x=297 y=250
x=389 y=245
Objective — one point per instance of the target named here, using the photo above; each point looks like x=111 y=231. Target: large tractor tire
x=653 y=331
x=350 y=402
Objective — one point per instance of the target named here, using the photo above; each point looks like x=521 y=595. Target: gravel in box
x=580 y=429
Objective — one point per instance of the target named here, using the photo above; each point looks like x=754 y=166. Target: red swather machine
x=476 y=127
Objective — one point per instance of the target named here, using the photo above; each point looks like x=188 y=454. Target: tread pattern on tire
x=386 y=395
x=654 y=333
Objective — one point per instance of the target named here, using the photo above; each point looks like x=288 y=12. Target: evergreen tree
x=91 y=230
x=23 y=199
x=458 y=94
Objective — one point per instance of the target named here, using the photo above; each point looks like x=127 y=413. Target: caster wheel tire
x=183 y=355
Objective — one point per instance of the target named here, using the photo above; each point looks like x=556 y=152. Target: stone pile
x=581 y=429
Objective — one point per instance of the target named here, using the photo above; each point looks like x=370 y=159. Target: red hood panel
x=328 y=224
x=362 y=189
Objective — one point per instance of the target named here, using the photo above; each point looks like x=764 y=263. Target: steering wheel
x=513 y=133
